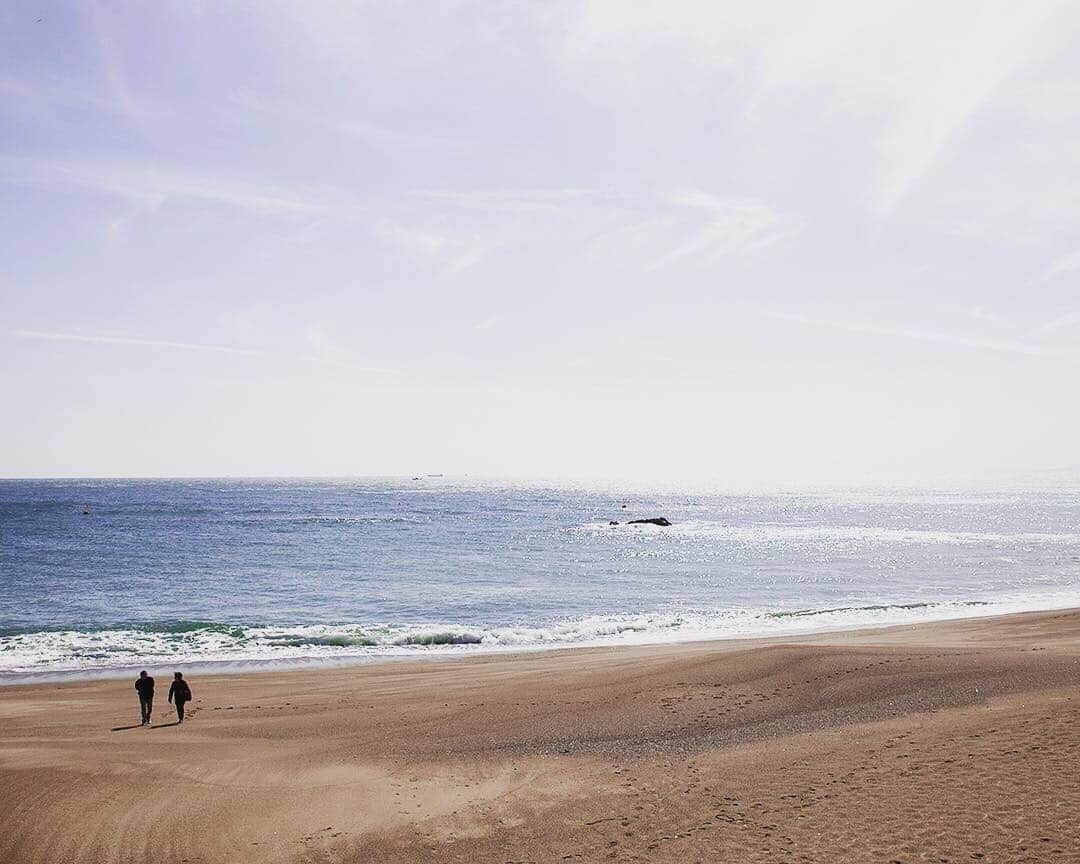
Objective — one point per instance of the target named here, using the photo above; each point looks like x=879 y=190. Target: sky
x=749 y=244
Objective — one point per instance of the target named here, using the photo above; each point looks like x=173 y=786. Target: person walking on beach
x=179 y=695
x=144 y=686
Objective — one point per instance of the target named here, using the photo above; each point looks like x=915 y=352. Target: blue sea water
x=270 y=571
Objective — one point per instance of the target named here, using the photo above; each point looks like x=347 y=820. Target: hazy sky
x=746 y=242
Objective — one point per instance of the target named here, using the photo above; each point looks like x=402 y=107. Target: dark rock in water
x=612 y=522
x=658 y=520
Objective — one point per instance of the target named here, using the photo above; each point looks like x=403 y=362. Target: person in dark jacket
x=144 y=686
x=179 y=695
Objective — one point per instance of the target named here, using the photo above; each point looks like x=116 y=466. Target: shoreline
x=951 y=740
x=440 y=653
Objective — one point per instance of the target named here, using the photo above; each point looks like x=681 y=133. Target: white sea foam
x=26 y=654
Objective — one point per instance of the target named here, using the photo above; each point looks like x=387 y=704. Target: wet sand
x=953 y=741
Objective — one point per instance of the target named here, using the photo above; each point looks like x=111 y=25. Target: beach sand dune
x=956 y=741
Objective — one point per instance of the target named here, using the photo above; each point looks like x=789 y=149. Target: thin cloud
x=41 y=99
x=1059 y=267
x=153 y=185
x=257 y=105
x=326 y=351
x=1061 y=322
x=981 y=313
x=452 y=252
x=954 y=340
x=910 y=104
x=669 y=227
x=519 y=200
x=726 y=227
x=397 y=138
x=131 y=340
x=359 y=367
x=321 y=356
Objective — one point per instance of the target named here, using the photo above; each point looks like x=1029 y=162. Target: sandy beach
x=953 y=741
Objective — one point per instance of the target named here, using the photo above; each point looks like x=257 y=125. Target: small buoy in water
x=85 y=509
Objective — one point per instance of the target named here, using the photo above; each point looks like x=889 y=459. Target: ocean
x=243 y=574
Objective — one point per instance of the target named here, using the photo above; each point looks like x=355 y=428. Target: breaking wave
x=27 y=653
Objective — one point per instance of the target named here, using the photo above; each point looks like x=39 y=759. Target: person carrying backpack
x=179 y=695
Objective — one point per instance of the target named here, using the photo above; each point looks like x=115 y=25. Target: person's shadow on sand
x=140 y=726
